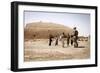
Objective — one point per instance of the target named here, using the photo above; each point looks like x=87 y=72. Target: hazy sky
x=81 y=21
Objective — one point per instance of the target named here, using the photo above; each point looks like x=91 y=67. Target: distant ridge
x=41 y=30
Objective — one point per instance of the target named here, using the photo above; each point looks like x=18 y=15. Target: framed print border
x=14 y=35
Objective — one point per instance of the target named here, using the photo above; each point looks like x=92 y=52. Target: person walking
x=50 y=39
x=63 y=39
x=71 y=39
x=75 y=37
x=56 y=40
x=68 y=38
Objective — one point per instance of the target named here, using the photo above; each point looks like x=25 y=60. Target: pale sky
x=81 y=21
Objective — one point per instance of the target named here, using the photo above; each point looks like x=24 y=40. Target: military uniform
x=68 y=38
x=75 y=38
x=50 y=39
x=63 y=39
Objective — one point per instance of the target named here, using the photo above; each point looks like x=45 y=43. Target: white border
x=22 y=64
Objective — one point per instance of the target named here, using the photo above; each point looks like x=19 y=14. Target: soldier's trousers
x=75 y=42
x=63 y=42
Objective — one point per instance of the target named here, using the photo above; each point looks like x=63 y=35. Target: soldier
x=56 y=40
x=63 y=39
x=71 y=40
x=50 y=39
x=68 y=38
x=75 y=37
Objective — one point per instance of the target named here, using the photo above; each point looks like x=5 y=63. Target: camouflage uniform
x=56 y=40
x=68 y=38
x=63 y=39
x=75 y=38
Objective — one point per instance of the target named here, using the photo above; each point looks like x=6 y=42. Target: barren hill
x=39 y=30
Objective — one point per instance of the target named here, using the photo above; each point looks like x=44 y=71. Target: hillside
x=40 y=30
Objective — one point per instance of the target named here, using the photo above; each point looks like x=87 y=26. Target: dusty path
x=40 y=51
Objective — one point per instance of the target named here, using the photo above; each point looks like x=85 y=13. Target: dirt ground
x=39 y=50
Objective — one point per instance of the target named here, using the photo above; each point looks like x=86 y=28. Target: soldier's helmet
x=74 y=28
